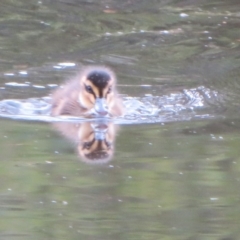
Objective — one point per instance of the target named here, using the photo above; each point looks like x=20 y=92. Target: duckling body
x=91 y=92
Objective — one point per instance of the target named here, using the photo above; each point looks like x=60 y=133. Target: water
x=183 y=104
x=170 y=169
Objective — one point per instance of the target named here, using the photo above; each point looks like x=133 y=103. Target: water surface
x=173 y=176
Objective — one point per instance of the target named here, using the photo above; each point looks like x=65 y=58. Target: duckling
x=91 y=92
x=97 y=146
x=94 y=140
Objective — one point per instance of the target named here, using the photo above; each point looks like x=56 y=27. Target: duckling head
x=97 y=143
x=97 y=90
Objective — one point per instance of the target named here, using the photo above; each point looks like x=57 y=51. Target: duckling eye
x=86 y=145
x=88 y=89
x=109 y=90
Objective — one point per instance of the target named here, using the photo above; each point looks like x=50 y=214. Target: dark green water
x=175 y=181
x=170 y=180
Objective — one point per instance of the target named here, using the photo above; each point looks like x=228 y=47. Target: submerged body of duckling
x=91 y=93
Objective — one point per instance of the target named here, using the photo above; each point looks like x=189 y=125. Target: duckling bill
x=91 y=93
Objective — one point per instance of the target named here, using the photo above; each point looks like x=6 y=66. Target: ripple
x=15 y=84
x=181 y=105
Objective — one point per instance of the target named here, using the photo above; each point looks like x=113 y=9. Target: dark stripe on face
x=89 y=90
x=88 y=145
x=100 y=92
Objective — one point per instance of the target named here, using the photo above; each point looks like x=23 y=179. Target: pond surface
x=172 y=168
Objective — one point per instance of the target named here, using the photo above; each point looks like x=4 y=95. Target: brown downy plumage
x=91 y=92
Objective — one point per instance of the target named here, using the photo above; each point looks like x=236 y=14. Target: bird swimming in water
x=92 y=92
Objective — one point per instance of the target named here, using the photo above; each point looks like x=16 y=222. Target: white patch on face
x=80 y=101
x=90 y=112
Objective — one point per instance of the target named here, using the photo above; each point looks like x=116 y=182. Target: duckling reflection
x=91 y=93
x=95 y=141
